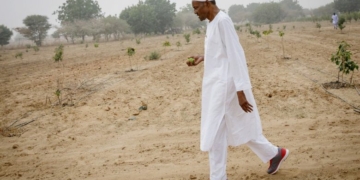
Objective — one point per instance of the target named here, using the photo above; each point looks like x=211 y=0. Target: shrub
x=341 y=23
x=349 y=17
x=197 y=31
x=36 y=48
x=257 y=34
x=166 y=44
x=96 y=45
x=355 y=15
x=154 y=55
x=138 y=41
x=178 y=44
x=187 y=37
x=59 y=51
x=19 y=54
x=318 y=25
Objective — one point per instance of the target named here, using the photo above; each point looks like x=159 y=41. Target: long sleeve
x=235 y=54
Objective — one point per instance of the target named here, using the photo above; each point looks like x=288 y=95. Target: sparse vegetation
x=58 y=95
x=58 y=57
x=138 y=41
x=19 y=54
x=96 y=45
x=178 y=45
x=281 y=34
x=166 y=44
x=257 y=34
x=154 y=55
x=267 y=33
x=197 y=31
x=187 y=38
x=36 y=48
x=318 y=25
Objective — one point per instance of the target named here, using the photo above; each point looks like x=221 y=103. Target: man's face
x=201 y=9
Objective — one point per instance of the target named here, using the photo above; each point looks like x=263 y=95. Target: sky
x=12 y=12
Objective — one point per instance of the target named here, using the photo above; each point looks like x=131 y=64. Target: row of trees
x=288 y=10
x=272 y=12
x=108 y=27
x=84 y=18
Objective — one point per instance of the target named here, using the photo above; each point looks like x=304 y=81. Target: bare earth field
x=91 y=137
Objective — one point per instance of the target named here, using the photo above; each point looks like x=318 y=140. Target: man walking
x=229 y=113
x=335 y=20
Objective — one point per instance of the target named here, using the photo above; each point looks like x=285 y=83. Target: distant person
x=229 y=113
x=335 y=20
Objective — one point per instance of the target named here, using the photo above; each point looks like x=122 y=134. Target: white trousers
x=218 y=153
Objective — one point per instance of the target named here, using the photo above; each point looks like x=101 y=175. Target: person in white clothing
x=229 y=115
x=335 y=20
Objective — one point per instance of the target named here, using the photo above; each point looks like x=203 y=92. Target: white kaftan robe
x=225 y=73
x=335 y=19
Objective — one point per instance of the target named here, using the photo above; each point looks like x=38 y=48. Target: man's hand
x=244 y=104
x=197 y=60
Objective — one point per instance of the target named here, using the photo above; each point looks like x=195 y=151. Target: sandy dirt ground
x=95 y=134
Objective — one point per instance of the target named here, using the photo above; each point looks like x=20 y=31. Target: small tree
x=257 y=34
x=341 y=23
x=355 y=15
x=187 y=38
x=349 y=17
x=281 y=34
x=266 y=33
x=5 y=35
x=58 y=57
x=318 y=25
x=343 y=60
x=166 y=44
x=59 y=51
x=178 y=44
x=130 y=53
